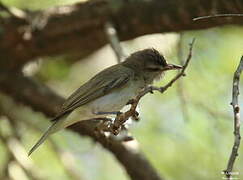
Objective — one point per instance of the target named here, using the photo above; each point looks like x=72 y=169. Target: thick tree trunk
x=41 y=98
x=80 y=28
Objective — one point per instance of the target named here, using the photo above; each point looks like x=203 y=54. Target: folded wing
x=95 y=88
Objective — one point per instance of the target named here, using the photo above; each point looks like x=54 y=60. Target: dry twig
x=181 y=91
x=236 y=109
x=123 y=117
x=114 y=41
x=14 y=12
x=216 y=16
x=16 y=152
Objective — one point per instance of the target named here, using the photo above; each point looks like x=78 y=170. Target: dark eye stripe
x=153 y=69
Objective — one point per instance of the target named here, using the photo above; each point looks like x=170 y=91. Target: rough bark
x=79 y=28
x=41 y=98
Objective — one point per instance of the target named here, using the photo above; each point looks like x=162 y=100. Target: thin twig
x=66 y=158
x=123 y=117
x=17 y=118
x=114 y=41
x=236 y=109
x=14 y=12
x=180 y=85
x=210 y=111
x=17 y=154
x=216 y=16
x=4 y=8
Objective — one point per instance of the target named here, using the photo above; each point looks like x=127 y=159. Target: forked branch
x=123 y=117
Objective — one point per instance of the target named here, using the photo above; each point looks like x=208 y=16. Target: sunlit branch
x=236 y=111
x=216 y=16
x=18 y=154
x=112 y=36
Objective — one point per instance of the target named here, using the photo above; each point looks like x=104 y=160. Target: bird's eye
x=153 y=69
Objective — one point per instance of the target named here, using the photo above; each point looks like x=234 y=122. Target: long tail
x=53 y=128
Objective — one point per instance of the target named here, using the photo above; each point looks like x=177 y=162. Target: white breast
x=113 y=101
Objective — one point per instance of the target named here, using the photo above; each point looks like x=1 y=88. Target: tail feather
x=49 y=131
x=56 y=125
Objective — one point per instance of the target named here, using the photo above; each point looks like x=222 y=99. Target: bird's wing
x=95 y=88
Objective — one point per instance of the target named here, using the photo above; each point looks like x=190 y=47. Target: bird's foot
x=151 y=90
x=107 y=113
x=102 y=126
x=131 y=101
x=126 y=135
x=135 y=116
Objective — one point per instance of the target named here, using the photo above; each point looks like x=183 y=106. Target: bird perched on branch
x=110 y=90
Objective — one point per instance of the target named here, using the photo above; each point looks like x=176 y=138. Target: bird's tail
x=52 y=129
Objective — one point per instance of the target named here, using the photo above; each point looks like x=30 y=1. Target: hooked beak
x=172 y=67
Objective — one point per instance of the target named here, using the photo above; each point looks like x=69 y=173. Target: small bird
x=110 y=90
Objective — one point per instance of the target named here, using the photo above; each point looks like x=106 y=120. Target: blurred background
x=186 y=133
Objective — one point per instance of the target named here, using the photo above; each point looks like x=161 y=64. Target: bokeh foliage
x=196 y=146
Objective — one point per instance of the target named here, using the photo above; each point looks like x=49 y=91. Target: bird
x=109 y=90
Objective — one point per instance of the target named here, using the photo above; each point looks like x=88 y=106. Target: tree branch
x=84 y=25
x=17 y=152
x=236 y=109
x=183 y=96
x=217 y=16
x=111 y=34
x=41 y=98
x=123 y=117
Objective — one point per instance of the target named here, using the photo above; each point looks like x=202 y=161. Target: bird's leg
x=135 y=115
x=103 y=125
x=102 y=119
x=151 y=90
x=131 y=101
x=108 y=113
x=127 y=136
x=115 y=127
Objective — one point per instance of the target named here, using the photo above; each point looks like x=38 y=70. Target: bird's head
x=150 y=64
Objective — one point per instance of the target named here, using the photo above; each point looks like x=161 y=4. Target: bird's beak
x=172 y=67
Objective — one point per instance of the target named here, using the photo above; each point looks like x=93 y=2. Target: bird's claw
x=108 y=113
x=131 y=101
x=135 y=117
x=151 y=90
